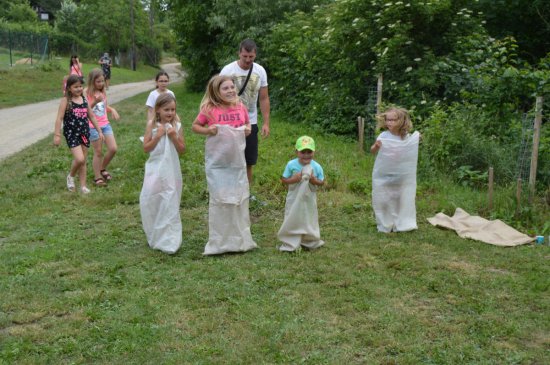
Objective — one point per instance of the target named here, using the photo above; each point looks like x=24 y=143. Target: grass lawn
x=80 y=285
x=31 y=84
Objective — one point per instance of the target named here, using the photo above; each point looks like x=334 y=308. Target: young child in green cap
x=303 y=176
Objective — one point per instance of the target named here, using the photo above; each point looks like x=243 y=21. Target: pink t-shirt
x=100 y=111
x=234 y=116
x=75 y=70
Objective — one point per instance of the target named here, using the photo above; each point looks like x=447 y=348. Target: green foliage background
x=452 y=59
x=80 y=27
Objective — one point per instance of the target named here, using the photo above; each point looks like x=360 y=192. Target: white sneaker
x=85 y=190
x=70 y=183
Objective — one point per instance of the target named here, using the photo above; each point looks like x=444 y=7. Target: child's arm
x=296 y=178
x=59 y=121
x=113 y=112
x=177 y=139
x=201 y=129
x=91 y=117
x=93 y=101
x=375 y=147
x=247 y=129
x=150 y=142
x=315 y=181
x=150 y=113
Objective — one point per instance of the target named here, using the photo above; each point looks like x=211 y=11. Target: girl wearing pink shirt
x=225 y=122
x=97 y=98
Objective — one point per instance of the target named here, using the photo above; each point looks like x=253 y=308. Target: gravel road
x=24 y=125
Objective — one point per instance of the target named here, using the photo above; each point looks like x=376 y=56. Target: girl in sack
x=303 y=176
x=159 y=201
x=225 y=122
x=394 y=172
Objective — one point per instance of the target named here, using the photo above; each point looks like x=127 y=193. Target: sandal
x=99 y=182
x=106 y=175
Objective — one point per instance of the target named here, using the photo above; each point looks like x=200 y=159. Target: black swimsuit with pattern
x=75 y=124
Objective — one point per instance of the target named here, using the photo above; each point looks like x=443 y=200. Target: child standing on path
x=394 y=172
x=302 y=175
x=159 y=201
x=224 y=120
x=74 y=112
x=97 y=97
x=162 y=79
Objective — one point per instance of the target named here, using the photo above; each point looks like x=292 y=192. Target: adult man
x=105 y=62
x=254 y=89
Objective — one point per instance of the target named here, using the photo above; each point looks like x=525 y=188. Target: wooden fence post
x=535 y=150
x=361 y=133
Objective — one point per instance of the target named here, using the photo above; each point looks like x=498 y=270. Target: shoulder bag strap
x=246 y=81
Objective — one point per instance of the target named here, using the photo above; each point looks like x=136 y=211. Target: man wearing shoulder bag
x=251 y=82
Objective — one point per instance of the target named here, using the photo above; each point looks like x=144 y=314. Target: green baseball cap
x=305 y=143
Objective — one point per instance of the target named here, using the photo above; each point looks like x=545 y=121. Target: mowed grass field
x=26 y=84
x=80 y=285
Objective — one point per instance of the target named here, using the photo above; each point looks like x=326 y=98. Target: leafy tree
x=18 y=11
x=51 y=6
x=527 y=21
x=209 y=32
x=65 y=17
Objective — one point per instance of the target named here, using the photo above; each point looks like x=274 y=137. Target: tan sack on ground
x=467 y=226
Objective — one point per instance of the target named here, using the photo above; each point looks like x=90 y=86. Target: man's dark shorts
x=251 y=150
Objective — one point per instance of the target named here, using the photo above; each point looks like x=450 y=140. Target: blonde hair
x=162 y=100
x=92 y=76
x=212 y=97
x=403 y=120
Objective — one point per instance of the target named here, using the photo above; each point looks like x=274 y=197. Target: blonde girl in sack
x=225 y=122
x=73 y=114
x=96 y=94
x=159 y=201
x=394 y=172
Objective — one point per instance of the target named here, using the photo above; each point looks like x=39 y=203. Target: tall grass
x=80 y=285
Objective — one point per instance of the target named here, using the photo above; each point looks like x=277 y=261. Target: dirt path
x=24 y=125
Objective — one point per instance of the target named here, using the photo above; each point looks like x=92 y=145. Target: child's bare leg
x=79 y=159
x=82 y=171
x=111 y=151
x=97 y=161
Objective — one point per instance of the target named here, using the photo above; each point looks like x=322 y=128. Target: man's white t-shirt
x=258 y=79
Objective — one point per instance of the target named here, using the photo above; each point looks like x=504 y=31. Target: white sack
x=228 y=216
x=394 y=184
x=159 y=201
x=301 y=224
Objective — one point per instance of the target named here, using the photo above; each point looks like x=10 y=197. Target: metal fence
x=22 y=48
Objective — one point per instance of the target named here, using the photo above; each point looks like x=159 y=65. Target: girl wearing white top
x=162 y=79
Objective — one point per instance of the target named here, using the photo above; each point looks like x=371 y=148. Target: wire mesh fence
x=22 y=48
x=525 y=147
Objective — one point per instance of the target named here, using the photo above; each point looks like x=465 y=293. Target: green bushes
x=456 y=141
x=466 y=90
